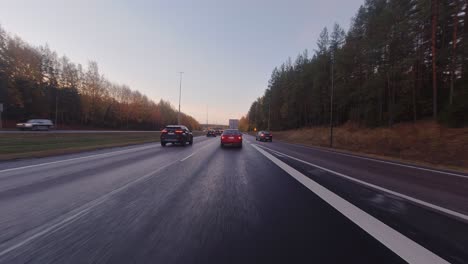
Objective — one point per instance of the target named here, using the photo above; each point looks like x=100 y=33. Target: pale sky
x=227 y=49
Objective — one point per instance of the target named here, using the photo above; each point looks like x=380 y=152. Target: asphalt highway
x=263 y=203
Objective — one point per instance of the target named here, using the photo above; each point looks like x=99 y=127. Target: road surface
x=264 y=203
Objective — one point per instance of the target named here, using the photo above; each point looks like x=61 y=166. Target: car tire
x=240 y=146
x=222 y=146
x=163 y=143
x=183 y=143
x=191 y=142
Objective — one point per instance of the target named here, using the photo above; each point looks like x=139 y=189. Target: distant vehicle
x=36 y=124
x=218 y=131
x=231 y=137
x=211 y=133
x=264 y=136
x=233 y=123
x=176 y=134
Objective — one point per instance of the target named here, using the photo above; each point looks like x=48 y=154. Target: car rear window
x=231 y=132
x=172 y=128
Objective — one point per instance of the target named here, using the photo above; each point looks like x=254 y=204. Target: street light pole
x=269 y=111
x=56 y=108
x=180 y=95
x=331 y=102
x=1 y=110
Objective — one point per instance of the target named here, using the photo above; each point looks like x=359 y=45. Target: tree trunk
x=454 y=52
x=390 y=103
x=435 y=7
x=414 y=90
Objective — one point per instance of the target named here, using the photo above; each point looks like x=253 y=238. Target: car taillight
x=164 y=131
x=179 y=131
x=240 y=138
x=223 y=137
x=262 y=135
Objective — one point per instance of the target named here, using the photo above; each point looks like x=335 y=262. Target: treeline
x=36 y=83
x=401 y=60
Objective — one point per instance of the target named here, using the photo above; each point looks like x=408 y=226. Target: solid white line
x=79 y=212
x=378 y=160
x=404 y=247
x=79 y=158
x=409 y=198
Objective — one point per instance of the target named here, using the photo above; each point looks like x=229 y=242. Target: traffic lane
x=437 y=232
x=17 y=174
x=4 y=165
x=52 y=192
x=218 y=206
x=437 y=188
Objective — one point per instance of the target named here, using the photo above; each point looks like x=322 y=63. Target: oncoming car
x=231 y=137
x=176 y=134
x=35 y=124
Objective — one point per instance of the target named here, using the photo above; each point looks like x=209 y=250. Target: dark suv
x=211 y=133
x=176 y=134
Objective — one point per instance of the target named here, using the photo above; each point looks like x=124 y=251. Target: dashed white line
x=198 y=150
x=406 y=197
x=188 y=156
x=401 y=245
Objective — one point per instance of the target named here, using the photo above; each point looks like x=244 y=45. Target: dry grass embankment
x=423 y=142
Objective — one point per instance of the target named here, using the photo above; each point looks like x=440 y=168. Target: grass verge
x=35 y=145
x=424 y=143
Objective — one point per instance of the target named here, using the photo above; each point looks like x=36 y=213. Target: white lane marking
x=79 y=212
x=188 y=156
x=85 y=157
x=406 y=197
x=196 y=152
x=404 y=247
x=278 y=154
x=378 y=160
x=79 y=158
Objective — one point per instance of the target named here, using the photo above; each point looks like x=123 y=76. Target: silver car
x=36 y=124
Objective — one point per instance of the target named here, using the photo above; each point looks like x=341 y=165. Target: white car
x=36 y=124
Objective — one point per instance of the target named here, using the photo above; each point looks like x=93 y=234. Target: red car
x=231 y=137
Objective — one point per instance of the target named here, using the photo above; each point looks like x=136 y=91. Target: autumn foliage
x=36 y=83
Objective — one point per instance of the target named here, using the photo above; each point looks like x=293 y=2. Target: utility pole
x=331 y=101
x=56 y=108
x=269 y=111
x=1 y=110
x=180 y=95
